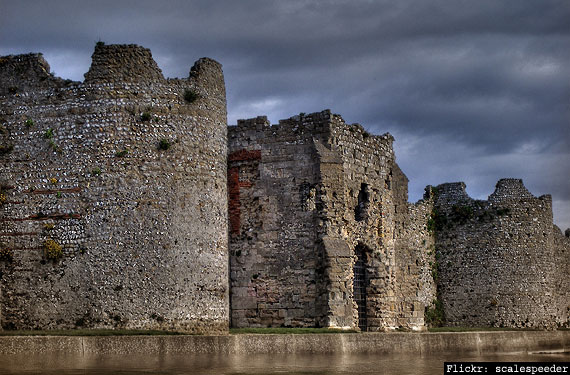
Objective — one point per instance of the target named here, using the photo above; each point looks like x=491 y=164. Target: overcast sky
x=472 y=90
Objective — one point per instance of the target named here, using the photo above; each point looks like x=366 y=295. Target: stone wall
x=501 y=262
x=113 y=195
x=561 y=279
x=85 y=352
x=365 y=205
x=305 y=197
x=421 y=272
x=272 y=174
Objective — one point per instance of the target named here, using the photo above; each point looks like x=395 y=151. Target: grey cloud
x=472 y=90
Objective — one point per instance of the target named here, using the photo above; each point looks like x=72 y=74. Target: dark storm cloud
x=472 y=90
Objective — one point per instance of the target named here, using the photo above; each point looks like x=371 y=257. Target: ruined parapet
x=20 y=73
x=207 y=73
x=510 y=189
x=115 y=209
x=497 y=258
x=122 y=63
x=317 y=207
x=452 y=193
x=256 y=123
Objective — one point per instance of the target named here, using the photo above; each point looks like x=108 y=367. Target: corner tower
x=317 y=212
x=115 y=201
x=502 y=262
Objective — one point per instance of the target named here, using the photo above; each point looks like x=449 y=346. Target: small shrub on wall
x=52 y=249
x=190 y=96
x=6 y=254
x=164 y=144
x=434 y=314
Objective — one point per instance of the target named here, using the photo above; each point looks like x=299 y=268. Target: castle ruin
x=318 y=228
x=127 y=202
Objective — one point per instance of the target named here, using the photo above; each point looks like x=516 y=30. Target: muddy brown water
x=169 y=364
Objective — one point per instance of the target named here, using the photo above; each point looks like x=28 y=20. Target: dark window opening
x=359 y=286
x=361 y=209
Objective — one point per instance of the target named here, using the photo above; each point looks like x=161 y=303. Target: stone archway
x=360 y=284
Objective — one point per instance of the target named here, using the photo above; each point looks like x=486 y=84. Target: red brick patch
x=234 y=184
x=40 y=217
x=55 y=191
x=243 y=155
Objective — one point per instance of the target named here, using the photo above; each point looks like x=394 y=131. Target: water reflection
x=175 y=364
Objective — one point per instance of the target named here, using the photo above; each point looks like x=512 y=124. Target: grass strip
x=235 y=331
x=89 y=332
x=286 y=331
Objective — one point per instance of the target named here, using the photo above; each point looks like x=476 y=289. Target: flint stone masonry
x=502 y=262
x=129 y=180
x=304 y=196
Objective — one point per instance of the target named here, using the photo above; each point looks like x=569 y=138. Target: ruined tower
x=322 y=234
x=318 y=215
x=114 y=200
x=501 y=261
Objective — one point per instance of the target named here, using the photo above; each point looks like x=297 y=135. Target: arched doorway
x=359 y=285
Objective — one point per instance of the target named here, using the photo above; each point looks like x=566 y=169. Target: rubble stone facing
x=129 y=179
x=502 y=262
x=317 y=189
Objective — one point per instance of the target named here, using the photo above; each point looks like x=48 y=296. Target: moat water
x=247 y=365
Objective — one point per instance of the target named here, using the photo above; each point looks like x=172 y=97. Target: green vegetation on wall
x=434 y=314
x=53 y=250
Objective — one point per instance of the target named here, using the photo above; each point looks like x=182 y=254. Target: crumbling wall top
x=122 y=63
x=325 y=123
x=114 y=63
x=256 y=123
x=452 y=192
x=508 y=189
x=19 y=73
x=302 y=123
x=207 y=71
